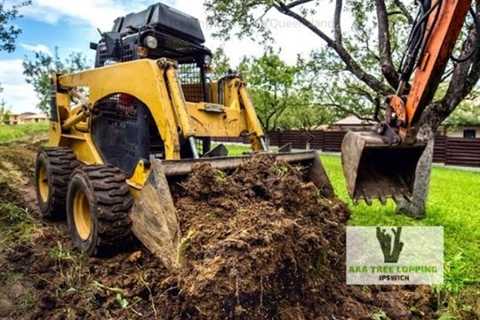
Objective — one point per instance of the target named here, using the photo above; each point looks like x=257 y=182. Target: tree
x=367 y=66
x=37 y=72
x=8 y=36
x=221 y=65
x=282 y=94
x=306 y=111
x=4 y=110
x=305 y=114
x=8 y=31
x=466 y=114
x=5 y=113
x=272 y=85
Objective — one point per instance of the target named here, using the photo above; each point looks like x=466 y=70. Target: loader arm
x=382 y=163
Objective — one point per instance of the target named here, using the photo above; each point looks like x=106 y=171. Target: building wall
x=18 y=119
x=459 y=132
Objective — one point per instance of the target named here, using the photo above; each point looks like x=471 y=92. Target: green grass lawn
x=454 y=203
x=237 y=149
x=11 y=133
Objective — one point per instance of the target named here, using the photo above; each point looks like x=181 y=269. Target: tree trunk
x=416 y=206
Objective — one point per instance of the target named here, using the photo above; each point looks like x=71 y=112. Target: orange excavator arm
x=382 y=163
x=444 y=26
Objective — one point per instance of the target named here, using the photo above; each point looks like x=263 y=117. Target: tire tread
x=61 y=163
x=113 y=203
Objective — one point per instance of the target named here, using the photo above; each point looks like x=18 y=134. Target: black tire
x=106 y=196
x=53 y=169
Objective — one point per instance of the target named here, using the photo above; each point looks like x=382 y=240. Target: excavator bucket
x=154 y=214
x=376 y=170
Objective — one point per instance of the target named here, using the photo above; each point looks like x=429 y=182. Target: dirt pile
x=257 y=240
x=263 y=244
x=258 y=243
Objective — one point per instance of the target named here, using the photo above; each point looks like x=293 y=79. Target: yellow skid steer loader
x=144 y=115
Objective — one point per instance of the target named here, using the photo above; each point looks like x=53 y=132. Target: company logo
x=390 y=244
x=394 y=255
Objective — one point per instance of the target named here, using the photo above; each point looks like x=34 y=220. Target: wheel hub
x=82 y=216
x=43 y=184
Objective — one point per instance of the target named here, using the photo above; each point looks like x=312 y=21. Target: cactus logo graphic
x=390 y=244
x=393 y=255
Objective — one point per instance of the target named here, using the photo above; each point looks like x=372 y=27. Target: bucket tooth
x=383 y=199
x=368 y=201
x=396 y=198
x=366 y=198
x=407 y=197
x=374 y=169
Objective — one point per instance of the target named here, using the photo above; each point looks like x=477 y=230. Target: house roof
x=350 y=121
x=35 y=116
x=23 y=115
x=29 y=115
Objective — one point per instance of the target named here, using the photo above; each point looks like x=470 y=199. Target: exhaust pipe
x=376 y=170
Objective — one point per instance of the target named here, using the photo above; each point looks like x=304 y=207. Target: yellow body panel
x=143 y=79
x=229 y=123
x=154 y=83
x=140 y=176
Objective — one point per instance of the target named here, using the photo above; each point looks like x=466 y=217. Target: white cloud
x=97 y=13
x=289 y=35
x=18 y=95
x=36 y=48
x=292 y=37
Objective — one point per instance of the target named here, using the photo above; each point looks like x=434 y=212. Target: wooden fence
x=450 y=151
x=463 y=152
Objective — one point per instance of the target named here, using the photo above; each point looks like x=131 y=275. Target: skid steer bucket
x=376 y=170
x=154 y=215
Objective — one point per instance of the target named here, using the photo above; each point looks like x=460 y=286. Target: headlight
x=151 y=42
x=208 y=60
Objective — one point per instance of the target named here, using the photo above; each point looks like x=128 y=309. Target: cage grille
x=190 y=74
x=191 y=79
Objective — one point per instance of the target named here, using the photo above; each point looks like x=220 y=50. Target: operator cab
x=160 y=32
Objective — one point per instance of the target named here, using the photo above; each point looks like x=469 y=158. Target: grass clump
x=11 y=133
x=16 y=224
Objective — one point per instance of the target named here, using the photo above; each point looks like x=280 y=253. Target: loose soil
x=258 y=243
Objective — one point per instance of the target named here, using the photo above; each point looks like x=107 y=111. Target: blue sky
x=71 y=25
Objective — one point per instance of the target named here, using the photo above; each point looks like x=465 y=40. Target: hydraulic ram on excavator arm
x=382 y=164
